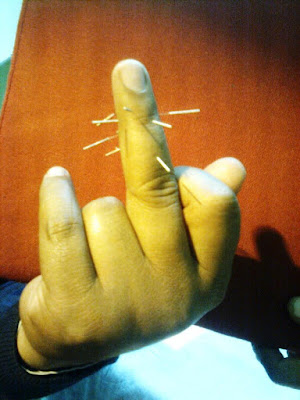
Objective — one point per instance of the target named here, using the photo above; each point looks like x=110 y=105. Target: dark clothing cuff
x=15 y=382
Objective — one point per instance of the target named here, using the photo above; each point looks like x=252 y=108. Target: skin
x=113 y=277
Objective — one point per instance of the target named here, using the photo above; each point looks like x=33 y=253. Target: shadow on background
x=271 y=26
x=258 y=293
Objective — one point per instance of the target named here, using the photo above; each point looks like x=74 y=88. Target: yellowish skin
x=113 y=277
x=60 y=325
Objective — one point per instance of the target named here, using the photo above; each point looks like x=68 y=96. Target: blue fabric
x=10 y=293
x=15 y=382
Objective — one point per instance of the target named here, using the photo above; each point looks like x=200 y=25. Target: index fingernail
x=133 y=76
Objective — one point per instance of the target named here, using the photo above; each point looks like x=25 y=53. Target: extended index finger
x=152 y=193
x=141 y=140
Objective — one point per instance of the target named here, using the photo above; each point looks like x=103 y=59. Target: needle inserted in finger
x=104 y=121
x=164 y=124
x=99 y=142
x=109 y=117
x=192 y=111
x=163 y=164
x=116 y=150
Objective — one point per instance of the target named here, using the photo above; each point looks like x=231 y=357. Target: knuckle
x=160 y=192
x=59 y=229
x=102 y=214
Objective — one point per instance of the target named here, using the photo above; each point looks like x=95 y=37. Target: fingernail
x=296 y=307
x=57 y=171
x=133 y=76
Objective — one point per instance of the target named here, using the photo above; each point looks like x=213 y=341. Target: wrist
x=20 y=381
x=32 y=359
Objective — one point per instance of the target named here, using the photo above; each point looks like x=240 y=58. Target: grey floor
x=196 y=364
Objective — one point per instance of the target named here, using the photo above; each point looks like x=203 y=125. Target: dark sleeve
x=15 y=382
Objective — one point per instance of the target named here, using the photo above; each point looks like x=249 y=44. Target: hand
x=282 y=370
x=112 y=278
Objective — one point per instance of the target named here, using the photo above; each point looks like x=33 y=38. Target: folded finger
x=64 y=254
x=230 y=171
x=114 y=247
x=212 y=216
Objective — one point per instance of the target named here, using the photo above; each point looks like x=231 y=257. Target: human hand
x=112 y=278
x=282 y=370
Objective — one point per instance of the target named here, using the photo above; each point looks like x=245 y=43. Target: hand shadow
x=255 y=306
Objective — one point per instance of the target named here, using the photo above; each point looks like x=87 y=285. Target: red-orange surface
x=237 y=61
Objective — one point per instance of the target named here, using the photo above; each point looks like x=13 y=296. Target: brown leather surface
x=237 y=61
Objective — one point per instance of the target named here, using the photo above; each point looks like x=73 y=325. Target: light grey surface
x=9 y=16
x=196 y=364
